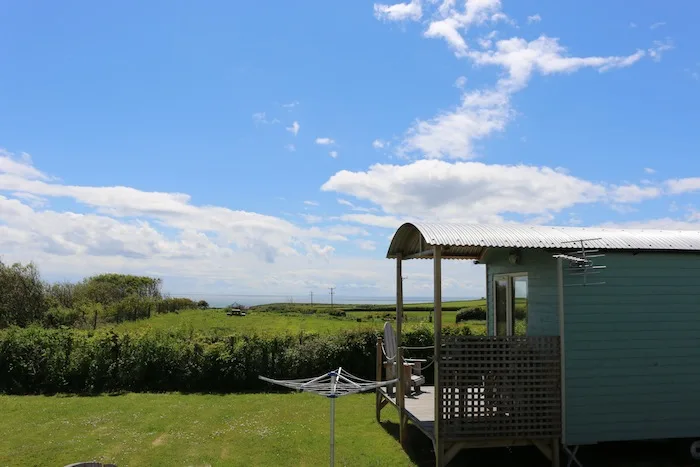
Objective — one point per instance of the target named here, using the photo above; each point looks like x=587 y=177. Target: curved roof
x=469 y=241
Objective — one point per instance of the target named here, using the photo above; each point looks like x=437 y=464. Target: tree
x=22 y=299
x=202 y=304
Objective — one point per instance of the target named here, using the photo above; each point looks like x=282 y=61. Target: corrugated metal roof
x=470 y=240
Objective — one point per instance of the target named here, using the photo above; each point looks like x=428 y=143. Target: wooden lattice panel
x=500 y=387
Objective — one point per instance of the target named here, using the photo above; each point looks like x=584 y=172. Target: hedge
x=35 y=360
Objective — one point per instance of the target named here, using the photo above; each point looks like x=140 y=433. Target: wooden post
x=399 y=301
x=400 y=393
x=380 y=359
x=437 y=327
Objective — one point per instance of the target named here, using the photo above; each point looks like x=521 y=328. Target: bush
x=61 y=316
x=34 y=360
x=22 y=299
x=469 y=314
x=174 y=304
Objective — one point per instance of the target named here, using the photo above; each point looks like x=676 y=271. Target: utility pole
x=311 y=293
x=332 y=292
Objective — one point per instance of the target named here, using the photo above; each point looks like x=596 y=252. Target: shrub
x=468 y=314
x=61 y=316
x=35 y=360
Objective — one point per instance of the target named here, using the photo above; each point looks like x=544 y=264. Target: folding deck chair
x=411 y=366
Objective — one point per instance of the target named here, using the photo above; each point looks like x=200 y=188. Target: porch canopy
x=470 y=241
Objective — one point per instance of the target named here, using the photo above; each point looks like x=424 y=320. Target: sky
x=241 y=150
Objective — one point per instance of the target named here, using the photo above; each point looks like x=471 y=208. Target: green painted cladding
x=632 y=345
x=542 y=288
x=633 y=350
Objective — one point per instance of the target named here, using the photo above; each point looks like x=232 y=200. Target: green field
x=259 y=322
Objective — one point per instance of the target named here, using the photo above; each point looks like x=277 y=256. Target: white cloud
x=290 y=147
x=33 y=200
x=545 y=55
x=657 y=25
x=460 y=82
x=261 y=118
x=290 y=105
x=209 y=249
x=452 y=133
x=683 y=185
x=294 y=129
x=378 y=144
x=387 y=222
x=312 y=219
x=20 y=167
x=649 y=170
x=536 y=18
x=463 y=191
x=633 y=25
x=659 y=47
x=324 y=141
x=367 y=245
x=399 y=11
x=634 y=193
x=311 y=203
x=333 y=154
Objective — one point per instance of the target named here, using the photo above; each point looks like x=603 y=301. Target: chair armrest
x=415 y=360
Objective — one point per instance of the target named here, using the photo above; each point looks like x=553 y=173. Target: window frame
x=510 y=299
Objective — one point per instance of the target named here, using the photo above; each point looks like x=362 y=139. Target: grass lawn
x=249 y=430
x=216 y=322
x=175 y=429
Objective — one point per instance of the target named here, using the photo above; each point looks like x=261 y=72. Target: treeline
x=35 y=360
x=26 y=299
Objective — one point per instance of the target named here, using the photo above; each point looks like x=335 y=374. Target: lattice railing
x=500 y=387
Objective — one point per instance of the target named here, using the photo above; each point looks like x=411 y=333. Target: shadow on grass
x=672 y=453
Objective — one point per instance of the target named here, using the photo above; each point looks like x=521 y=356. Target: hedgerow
x=36 y=360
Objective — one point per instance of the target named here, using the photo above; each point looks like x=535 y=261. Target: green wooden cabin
x=623 y=305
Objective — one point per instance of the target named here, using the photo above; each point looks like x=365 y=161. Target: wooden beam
x=437 y=331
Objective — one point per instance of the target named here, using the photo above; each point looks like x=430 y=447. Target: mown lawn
x=175 y=429
x=250 y=430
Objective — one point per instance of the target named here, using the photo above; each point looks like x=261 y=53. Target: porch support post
x=437 y=331
x=399 y=301
x=401 y=385
x=562 y=359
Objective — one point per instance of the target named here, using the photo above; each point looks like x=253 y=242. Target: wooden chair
x=411 y=366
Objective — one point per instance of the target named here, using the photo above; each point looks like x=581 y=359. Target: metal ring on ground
x=695 y=450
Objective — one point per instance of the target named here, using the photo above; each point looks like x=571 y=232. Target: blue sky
x=274 y=148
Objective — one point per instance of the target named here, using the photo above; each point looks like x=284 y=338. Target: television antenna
x=332 y=385
x=579 y=262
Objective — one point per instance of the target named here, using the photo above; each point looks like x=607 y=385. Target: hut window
x=510 y=304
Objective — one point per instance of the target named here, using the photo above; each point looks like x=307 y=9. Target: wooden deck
x=420 y=407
